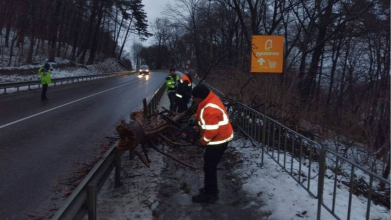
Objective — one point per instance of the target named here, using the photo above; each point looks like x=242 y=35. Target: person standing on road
x=44 y=73
x=216 y=131
x=171 y=84
x=183 y=92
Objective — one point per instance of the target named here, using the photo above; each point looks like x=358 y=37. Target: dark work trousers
x=171 y=96
x=212 y=157
x=44 y=90
x=182 y=105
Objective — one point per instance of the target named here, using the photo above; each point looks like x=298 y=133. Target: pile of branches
x=145 y=131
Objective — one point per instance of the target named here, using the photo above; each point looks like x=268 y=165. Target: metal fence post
x=263 y=135
x=91 y=201
x=322 y=170
x=117 y=162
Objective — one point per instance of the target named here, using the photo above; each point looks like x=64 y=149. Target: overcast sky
x=154 y=9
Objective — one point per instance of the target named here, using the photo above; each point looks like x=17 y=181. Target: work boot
x=204 y=198
x=215 y=192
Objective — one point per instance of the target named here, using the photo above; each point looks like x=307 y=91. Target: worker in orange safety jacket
x=216 y=131
x=183 y=92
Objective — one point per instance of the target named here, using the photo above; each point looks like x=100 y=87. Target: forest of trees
x=337 y=59
x=336 y=52
x=79 y=30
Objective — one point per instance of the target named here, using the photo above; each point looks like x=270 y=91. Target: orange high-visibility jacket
x=214 y=122
x=184 y=88
x=186 y=78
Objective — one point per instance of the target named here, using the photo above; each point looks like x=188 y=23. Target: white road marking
x=49 y=110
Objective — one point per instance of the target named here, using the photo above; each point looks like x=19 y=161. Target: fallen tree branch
x=173 y=142
x=153 y=146
x=151 y=132
x=141 y=158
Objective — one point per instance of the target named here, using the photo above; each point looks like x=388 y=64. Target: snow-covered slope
x=108 y=66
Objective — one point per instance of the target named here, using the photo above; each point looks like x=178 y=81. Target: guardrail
x=278 y=140
x=155 y=99
x=83 y=198
x=37 y=83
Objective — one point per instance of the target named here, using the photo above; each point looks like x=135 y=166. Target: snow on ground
x=285 y=198
x=269 y=185
x=135 y=198
x=108 y=66
x=34 y=66
x=18 y=58
x=358 y=153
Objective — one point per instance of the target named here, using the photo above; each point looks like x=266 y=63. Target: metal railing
x=66 y=80
x=155 y=99
x=335 y=162
x=278 y=140
x=83 y=198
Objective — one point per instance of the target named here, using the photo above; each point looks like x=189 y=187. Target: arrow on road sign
x=261 y=61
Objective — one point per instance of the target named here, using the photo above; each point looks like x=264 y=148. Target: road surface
x=40 y=141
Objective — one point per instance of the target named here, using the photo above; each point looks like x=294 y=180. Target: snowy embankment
x=108 y=66
x=285 y=198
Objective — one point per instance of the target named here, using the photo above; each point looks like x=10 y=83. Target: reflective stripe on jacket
x=214 y=122
x=184 y=88
x=171 y=83
x=45 y=76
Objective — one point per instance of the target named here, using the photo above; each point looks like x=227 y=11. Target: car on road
x=143 y=70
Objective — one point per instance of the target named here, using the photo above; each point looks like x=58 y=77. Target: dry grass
x=280 y=97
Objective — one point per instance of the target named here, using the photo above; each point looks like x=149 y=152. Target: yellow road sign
x=267 y=54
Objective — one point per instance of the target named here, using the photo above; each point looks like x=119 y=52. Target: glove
x=192 y=120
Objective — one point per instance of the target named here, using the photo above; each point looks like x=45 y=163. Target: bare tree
x=136 y=50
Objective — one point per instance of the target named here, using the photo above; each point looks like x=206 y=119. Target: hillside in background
x=84 y=31
x=63 y=68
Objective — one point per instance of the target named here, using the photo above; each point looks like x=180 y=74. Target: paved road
x=39 y=141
